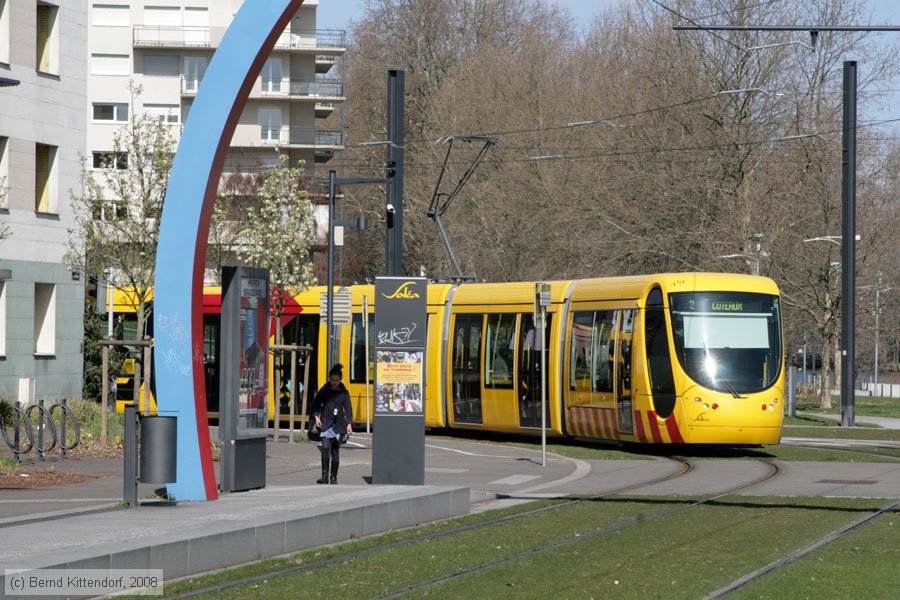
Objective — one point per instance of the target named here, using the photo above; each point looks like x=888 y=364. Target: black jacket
x=333 y=408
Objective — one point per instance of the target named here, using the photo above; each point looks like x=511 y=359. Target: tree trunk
x=824 y=384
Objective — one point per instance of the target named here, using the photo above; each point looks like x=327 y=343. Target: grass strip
x=842 y=433
x=346 y=548
x=683 y=555
x=393 y=569
x=865 y=406
x=861 y=564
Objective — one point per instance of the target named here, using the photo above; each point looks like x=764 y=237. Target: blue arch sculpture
x=184 y=228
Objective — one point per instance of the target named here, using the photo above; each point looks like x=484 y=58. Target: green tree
x=118 y=208
x=278 y=233
x=95 y=329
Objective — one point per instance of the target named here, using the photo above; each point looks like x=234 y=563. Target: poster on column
x=399 y=381
x=400 y=317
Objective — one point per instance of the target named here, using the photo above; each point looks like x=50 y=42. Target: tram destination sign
x=721 y=302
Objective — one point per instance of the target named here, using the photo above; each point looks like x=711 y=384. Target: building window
x=109 y=210
x=2 y=318
x=111 y=15
x=194 y=70
x=4 y=31
x=110 y=160
x=4 y=172
x=156 y=65
x=47 y=40
x=162 y=16
x=271 y=76
x=44 y=318
x=270 y=124
x=110 y=64
x=45 y=200
x=167 y=113
x=110 y=112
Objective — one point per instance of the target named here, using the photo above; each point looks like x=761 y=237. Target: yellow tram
x=692 y=358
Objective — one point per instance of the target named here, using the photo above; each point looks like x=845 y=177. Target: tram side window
x=593 y=349
x=358 y=349
x=581 y=356
x=499 y=351
x=658 y=359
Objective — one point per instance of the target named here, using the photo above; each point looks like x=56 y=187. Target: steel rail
x=809 y=548
x=580 y=537
x=685 y=468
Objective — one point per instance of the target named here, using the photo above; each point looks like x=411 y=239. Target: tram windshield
x=728 y=341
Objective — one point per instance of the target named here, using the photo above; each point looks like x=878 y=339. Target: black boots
x=324 y=478
x=334 y=470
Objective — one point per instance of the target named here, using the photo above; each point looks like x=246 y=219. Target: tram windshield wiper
x=732 y=389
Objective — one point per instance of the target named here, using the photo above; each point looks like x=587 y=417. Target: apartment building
x=166 y=46
x=43 y=73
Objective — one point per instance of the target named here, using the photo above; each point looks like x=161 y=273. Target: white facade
x=43 y=47
x=166 y=45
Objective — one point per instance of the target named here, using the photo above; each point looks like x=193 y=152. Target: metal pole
x=305 y=387
x=848 y=250
x=395 y=153
x=104 y=394
x=365 y=317
x=109 y=309
x=146 y=396
x=129 y=494
x=329 y=318
x=292 y=402
x=877 y=291
x=543 y=386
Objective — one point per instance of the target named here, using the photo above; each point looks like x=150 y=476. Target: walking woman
x=334 y=418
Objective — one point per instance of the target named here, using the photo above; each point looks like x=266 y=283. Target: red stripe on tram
x=654 y=426
x=640 y=425
x=674 y=433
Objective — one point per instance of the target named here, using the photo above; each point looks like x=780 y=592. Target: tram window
x=582 y=351
x=604 y=340
x=658 y=358
x=593 y=350
x=358 y=348
x=499 y=351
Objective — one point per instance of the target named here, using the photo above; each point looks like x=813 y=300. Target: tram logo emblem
x=403 y=292
x=702 y=418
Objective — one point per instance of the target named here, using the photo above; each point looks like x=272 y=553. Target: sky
x=337 y=14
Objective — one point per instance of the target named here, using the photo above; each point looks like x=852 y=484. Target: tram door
x=467 y=369
x=530 y=371
x=623 y=372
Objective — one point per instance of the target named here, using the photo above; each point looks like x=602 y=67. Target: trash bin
x=159 y=437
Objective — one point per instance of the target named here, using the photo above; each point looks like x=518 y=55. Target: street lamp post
x=361 y=223
x=848 y=296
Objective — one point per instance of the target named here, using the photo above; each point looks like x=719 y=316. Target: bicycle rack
x=56 y=437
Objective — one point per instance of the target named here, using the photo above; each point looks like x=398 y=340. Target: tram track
x=774 y=472
x=797 y=554
x=686 y=467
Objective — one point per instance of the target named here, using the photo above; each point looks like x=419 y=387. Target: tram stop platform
x=188 y=538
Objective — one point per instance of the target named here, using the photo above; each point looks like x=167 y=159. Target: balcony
x=303 y=88
x=293 y=137
x=324 y=62
x=170 y=36
x=323 y=42
x=324 y=109
x=330 y=90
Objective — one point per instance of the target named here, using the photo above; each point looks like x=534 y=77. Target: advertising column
x=244 y=383
x=398 y=445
